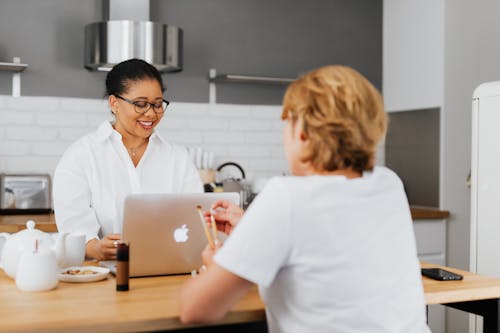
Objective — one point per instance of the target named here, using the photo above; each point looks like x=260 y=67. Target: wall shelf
x=16 y=68
x=12 y=67
x=237 y=78
x=214 y=78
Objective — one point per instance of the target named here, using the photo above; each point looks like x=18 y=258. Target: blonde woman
x=332 y=246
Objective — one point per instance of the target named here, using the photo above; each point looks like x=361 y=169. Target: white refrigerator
x=485 y=185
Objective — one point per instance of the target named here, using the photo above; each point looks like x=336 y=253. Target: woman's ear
x=113 y=101
x=299 y=128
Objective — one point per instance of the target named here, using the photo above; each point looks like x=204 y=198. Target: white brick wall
x=35 y=131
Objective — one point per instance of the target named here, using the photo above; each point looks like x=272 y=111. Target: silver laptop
x=165 y=232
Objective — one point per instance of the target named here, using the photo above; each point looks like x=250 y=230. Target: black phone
x=441 y=274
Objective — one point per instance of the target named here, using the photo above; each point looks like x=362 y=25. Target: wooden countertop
x=422 y=212
x=14 y=223
x=46 y=222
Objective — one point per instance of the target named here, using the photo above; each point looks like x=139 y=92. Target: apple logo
x=180 y=234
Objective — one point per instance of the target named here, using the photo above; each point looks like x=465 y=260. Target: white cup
x=74 y=251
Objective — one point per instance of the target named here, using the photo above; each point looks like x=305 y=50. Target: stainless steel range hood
x=129 y=34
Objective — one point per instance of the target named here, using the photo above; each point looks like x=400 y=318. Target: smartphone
x=441 y=274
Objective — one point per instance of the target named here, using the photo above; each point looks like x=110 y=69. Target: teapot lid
x=30 y=225
x=30 y=231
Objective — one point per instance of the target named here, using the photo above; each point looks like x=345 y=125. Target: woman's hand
x=103 y=249
x=226 y=214
x=208 y=254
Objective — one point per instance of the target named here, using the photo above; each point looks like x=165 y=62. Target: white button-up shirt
x=95 y=174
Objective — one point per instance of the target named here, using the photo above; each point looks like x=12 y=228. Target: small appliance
x=25 y=194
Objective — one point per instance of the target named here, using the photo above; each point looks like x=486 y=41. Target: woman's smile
x=146 y=124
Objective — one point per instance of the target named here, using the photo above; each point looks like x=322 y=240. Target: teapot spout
x=3 y=239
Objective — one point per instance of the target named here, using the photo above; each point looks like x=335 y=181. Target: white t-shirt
x=331 y=254
x=95 y=174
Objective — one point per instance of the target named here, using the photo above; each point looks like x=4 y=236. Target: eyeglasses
x=144 y=106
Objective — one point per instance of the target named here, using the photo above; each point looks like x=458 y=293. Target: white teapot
x=69 y=249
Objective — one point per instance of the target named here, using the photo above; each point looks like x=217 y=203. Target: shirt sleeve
x=72 y=199
x=260 y=245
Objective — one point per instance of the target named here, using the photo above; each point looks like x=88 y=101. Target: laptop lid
x=165 y=232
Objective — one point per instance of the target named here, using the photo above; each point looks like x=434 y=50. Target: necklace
x=133 y=150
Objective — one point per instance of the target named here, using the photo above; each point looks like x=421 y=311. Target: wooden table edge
x=473 y=287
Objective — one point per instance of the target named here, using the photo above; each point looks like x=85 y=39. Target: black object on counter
x=441 y=274
x=122 y=266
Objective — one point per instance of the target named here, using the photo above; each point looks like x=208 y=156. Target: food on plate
x=79 y=272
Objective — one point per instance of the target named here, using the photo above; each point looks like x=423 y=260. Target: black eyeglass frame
x=150 y=105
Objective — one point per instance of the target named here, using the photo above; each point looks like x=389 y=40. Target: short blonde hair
x=343 y=117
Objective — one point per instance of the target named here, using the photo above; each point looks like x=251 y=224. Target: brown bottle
x=122 y=266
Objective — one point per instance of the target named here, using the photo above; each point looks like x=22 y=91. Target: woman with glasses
x=123 y=156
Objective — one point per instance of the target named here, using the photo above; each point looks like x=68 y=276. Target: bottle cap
x=122 y=251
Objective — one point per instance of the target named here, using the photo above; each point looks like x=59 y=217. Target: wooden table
x=477 y=294
x=149 y=305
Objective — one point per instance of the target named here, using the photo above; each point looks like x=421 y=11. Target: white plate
x=100 y=274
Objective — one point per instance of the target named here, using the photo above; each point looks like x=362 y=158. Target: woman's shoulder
x=84 y=141
x=281 y=184
x=385 y=174
x=85 y=144
x=379 y=177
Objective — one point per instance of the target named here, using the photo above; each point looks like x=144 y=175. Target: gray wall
x=412 y=151
x=472 y=54
x=48 y=36
x=256 y=37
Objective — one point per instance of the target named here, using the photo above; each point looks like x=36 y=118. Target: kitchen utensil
x=207 y=175
x=214 y=227
x=205 y=228
x=232 y=176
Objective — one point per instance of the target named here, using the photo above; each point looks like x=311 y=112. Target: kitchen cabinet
x=430 y=235
x=413 y=54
